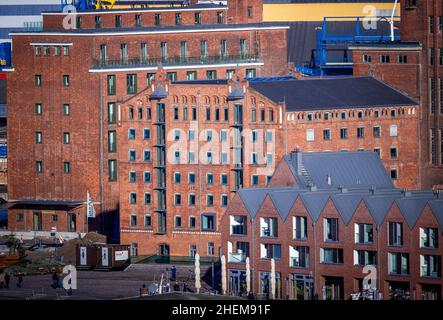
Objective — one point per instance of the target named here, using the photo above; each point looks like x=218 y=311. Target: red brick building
x=324 y=219
x=415 y=68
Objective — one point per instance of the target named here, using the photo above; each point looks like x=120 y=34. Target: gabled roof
x=315 y=202
x=379 y=207
x=332 y=93
x=411 y=208
x=283 y=201
x=346 y=205
x=253 y=199
x=437 y=210
x=159 y=93
x=236 y=94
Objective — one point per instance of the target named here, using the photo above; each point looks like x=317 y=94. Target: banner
x=90 y=211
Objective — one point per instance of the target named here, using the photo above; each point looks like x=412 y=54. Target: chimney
x=436 y=193
x=296 y=156
x=312 y=187
x=328 y=179
x=342 y=189
x=372 y=190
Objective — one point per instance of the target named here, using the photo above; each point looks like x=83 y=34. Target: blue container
x=5 y=55
x=3 y=151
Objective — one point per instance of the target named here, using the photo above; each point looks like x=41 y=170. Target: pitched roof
x=315 y=203
x=284 y=200
x=346 y=205
x=332 y=93
x=411 y=209
x=349 y=169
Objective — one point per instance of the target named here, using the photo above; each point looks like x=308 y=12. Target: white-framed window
x=393 y=130
x=310 y=135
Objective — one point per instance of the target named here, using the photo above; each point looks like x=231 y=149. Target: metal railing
x=174 y=61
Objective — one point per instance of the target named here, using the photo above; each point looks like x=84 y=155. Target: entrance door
x=163 y=249
x=72 y=222
x=333 y=288
x=83 y=256
x=105 y=257
x=237 y=282
x=37 y=221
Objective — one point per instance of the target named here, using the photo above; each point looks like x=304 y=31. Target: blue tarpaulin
x=3 y=151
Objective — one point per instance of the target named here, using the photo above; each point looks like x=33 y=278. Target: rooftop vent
x=328 y=179
x=372 y=190
x=342 y=189
x=406 y=193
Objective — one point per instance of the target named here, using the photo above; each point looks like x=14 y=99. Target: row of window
x=39 y=137
x=386 y=58
x=433 y=145
x=433 y=88
x=56 y=50
x=178 y=199
x=38 y=80
x=343 y=115
x=431 y=24
x=207 y=222
x=363 y=232
x=158 y=20
x=360 y=133
x=39 y=166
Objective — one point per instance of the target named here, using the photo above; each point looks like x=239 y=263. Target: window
x=209 y=178
x=402 y=59
x=211 y=249
x=98 y=22
x=147 y=177
x=132 y=198
x=178 y=19
x=209 y=158
x=238 y=225
x=38 y=51
x=38 y=80
x=178 y=222
x=146 y=134
x=376 y=132
x=343 y=115
x=343 y=133
x=198 y=18
x=132 y=177
x=66 y=138
x=39 y=166
x=254 y=158
x=326 y=134
x=149 y=78
x=191 y=200
x=378 y=151
x=191 y=178
x=300 y=228
x=429 y=238
x=365 y=257
x=148 y=221
x=394 y=174
x=395 y=234
x=192 y=222
x=133 y=221
x=112 y=141
x=131 y=83
x=398 y=263
x=432 y=95
x=269 y=158
x=250 y=73
x=223 y=48
x=146 y=155
x=331 y=255
x=177 y=177
x=393 y=130
x=224 y=179
x=203 y=49
x=431 y=56
x=224 y=200
x=262 y=115
x=250 y=11
x=158 y=19
x=111 y=85
x=393 y=153
x=367 y=58
x=299 y=257
x=431 y=24
x=330 y=229
x=66 y=167
x=208 y=135
x=254 y=180
x=384 y=58
x=194 y=114
x=38 y=137
x=192 y=250
x=220 y=18
x=230 y=74
x=208 y=222
x=209 y=200
x=177 y=199
x=268 y=227
x=364 y=233
x=211 y=74
x=433 y=154
x=132 y=156
x=360 y=132
x=254 y=135
x=65 y=80
x=310 y=135
x=440 y=56
x=138 y=20
x=270 y=251
x=131 y=134
x=118 y=21
x=66 y=110
x=177 y=134
x=164 y=51
x=112 y=170
x=172 y=76
x=191 y=75
x=112 y=113
x=430 y=266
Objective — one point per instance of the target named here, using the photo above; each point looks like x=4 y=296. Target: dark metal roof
x=45 y=203
x=236 y=94
x=332 y=93
x=388 y=45
x=159 y=93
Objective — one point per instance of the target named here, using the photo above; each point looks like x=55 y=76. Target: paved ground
x=102 y=285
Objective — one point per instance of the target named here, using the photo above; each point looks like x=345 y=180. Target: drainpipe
x=252 y=254
x=102 y=187
x=314 y=227
x=199 y=170
x=378 y=263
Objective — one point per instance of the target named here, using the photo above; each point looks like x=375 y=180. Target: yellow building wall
x=317 y=11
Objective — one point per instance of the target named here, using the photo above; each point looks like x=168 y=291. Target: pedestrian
x=19 y=280
x=55 y=279
x=173 y=273
x=7 y=279
x=2 y=280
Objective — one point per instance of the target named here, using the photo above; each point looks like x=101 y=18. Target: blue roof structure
x=236 y=94
x=159 y=93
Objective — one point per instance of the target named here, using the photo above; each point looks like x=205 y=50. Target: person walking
x=173 y=273
x=2 y=280
x=55 y=283
x=19 y=280
x=7 y=279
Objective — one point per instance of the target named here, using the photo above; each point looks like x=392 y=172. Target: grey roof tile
x=346 y=205
x=411 y=208
x=314 y=203
x=379 y=206
x=437 y=210
x=283 y=201
x=253 y=199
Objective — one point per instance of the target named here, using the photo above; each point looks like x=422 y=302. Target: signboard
x=121 y=255
x=83 y=256
x=105 y=261
x=90 y=211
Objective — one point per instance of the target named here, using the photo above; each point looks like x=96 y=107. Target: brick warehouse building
x=195 y=143
x=415 y=67
x=119 y=47
x=326 y=216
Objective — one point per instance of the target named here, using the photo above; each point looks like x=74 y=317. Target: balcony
x=174 y=61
